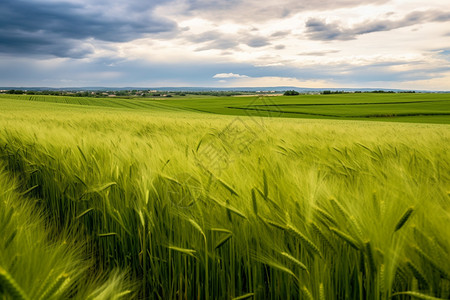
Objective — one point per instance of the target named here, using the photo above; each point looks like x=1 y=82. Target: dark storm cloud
x=318 y=29
x=26 y=43
x=58 y=28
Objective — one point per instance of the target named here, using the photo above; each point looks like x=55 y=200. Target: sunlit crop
x=171 y=204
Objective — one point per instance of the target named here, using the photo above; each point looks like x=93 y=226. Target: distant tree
x=15 y=92
x=382 y=91
x=326 y=92
x=291 y=93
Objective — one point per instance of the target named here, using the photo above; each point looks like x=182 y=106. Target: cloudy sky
x=226 y=43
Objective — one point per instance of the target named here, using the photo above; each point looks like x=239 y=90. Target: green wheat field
x=306 y=197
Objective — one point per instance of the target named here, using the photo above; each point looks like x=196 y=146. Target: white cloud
x=351 y=43
x=229 y=75
x=272 y=81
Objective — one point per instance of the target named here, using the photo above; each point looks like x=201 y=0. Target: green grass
x=416 y=108
x=188 y=205
x=36 y=263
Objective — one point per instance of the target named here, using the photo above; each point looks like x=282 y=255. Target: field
x=304 y=197
x=416 y=108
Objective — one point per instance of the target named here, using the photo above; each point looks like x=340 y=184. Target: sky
x=226 y=43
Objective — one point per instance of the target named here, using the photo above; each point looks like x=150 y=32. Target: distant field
x=176 y=199
x=417 y=108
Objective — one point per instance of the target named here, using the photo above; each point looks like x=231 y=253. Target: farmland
x=303 y=197
x=416 y=108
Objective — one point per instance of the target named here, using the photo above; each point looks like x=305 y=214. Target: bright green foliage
x=36 y=263
x=194 y=206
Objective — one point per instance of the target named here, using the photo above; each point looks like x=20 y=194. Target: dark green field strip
x=372 y=109
x=347 y=104
x=365 y=110
x=364 y=98
x=376 y=98
x=390 y=110
x=376 y=115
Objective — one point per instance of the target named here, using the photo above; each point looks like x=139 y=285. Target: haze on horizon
x=234 y=43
